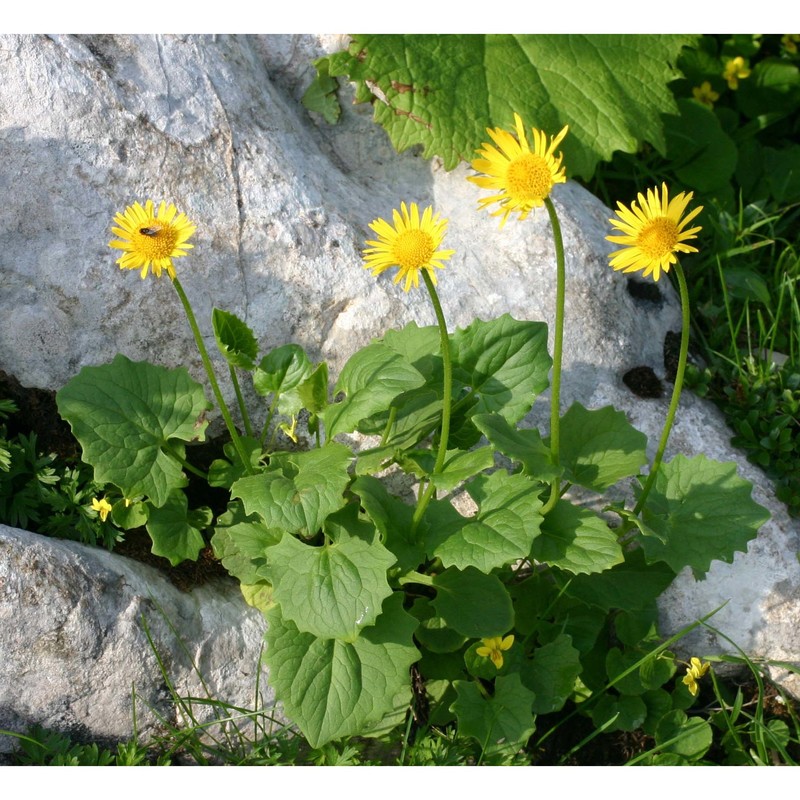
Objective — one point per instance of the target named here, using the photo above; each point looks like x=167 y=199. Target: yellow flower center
x=413 y=249
x=155 y=240
x=658 y=238
x=529 y=177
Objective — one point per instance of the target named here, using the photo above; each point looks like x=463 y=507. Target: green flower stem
x=676 y=391
x=389 y=425
x=237 y=443
x=558 y=344
x=248 y=429
x=416 y=577
x=446 y=400
x=270 y=414
x=185 y=464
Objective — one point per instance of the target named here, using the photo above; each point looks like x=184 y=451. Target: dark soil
x=38 y=413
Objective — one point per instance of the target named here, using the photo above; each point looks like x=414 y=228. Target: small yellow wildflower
x=522 y=176
x=102 y=507
x=653 y=232
x=705 y=94
x=790 y=41
x=153 y=238
x=493 y=648
x=735 y=71
x=412 y=245
x=694 y=672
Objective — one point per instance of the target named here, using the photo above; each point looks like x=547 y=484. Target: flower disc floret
x=411 y=244
x=521 y=175
x=653 y=232
x=151 y=238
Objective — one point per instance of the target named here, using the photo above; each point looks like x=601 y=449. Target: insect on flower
x=151 y=237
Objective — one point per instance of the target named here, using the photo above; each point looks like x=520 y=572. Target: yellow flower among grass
x=653 y=231
x=520 y=173
x=735 y=71
x=102 y=507
x=694 y=672
x=151 y=238
x=412 y=244
x=493 y=648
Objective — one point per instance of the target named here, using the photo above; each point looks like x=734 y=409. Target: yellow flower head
x=153 y=238
x=653 y=232
x=735 y=71
x=694 y=672
x=102 y=507
x=411 y=244
x=705 y=94
x=493 y=648
x=521 y=175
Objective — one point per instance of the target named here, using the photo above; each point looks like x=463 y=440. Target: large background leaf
x=443 y=91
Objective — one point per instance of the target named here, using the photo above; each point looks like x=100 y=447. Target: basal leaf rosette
x=600 y=447
x=473 y=603
x=370 y=380
x=130 y=417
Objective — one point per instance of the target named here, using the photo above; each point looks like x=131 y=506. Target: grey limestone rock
x=282 y=202
x=74 y=624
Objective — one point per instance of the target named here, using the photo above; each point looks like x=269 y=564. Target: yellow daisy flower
x=735 y=71
x=411 y=244
x=694 y=672
x=521 y=175
x=153 y=238
x=493 y=648
x=705 y=94
x=102 y=507
x=653 y=232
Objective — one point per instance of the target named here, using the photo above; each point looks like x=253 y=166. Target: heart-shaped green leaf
x=333 y=688
x=299 y=490
x=127 y=416
x=332 y=591
x=700 y=510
